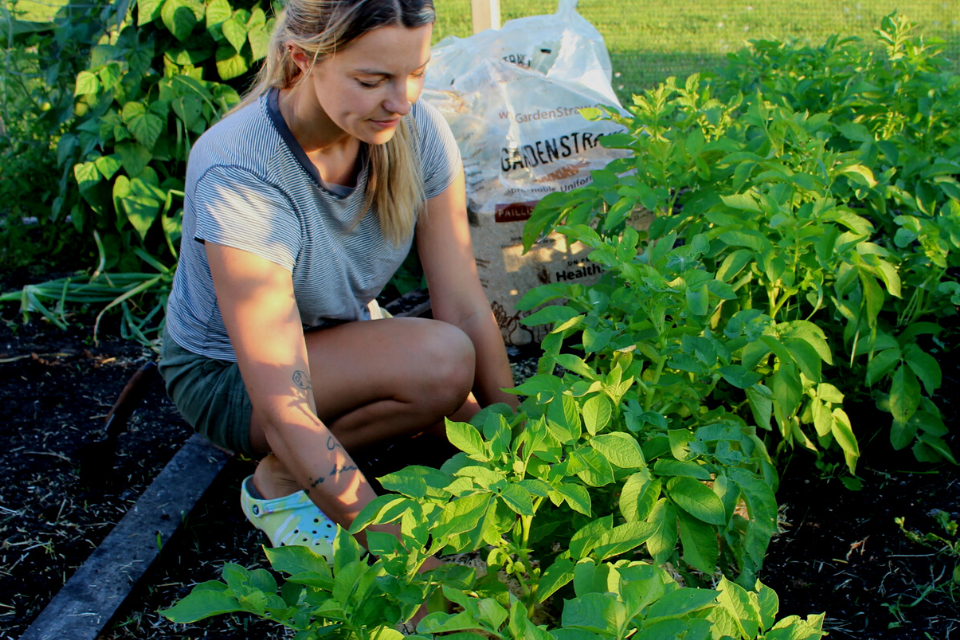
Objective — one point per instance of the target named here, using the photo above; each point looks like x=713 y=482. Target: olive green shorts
x=209 y=395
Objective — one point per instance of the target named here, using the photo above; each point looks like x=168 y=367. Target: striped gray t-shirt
x=250 y=186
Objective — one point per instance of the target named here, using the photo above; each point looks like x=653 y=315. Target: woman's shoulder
x=439 y=153
x=429 y=120
x=244 y=139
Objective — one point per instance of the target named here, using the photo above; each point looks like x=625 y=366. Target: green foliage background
x=53 y=41
x=804 y=251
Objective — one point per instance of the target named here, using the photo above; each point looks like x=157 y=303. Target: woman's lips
x=385 y=124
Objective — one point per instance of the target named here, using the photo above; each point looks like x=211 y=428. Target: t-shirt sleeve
x=236 y=209
x=439 y=154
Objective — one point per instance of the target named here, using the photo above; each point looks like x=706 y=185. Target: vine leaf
x=189 y=109
x=87 y=83
x=235 y=32
x=259 y=38
x=147 y=11
x=140 y=199
x=218 y=11
x=178 y=18
x=230 y=64
x=146 y=127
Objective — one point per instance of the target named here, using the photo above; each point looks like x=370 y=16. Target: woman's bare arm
x=260 y=314
x=446 y=253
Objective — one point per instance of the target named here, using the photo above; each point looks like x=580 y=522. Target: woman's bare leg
x=376 y=381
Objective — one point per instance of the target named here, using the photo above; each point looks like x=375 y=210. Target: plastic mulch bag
x=512 y=98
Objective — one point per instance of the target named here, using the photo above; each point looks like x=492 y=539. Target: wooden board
x=486 y=14
x=89 y=599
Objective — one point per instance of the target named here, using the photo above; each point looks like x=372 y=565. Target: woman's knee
x=448 y=362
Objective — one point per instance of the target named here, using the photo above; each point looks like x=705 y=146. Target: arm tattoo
x=333 y=444
x=302 y=380
x=336 y=471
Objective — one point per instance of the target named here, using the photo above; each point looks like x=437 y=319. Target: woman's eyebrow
x=386 y=74
x=373 y=72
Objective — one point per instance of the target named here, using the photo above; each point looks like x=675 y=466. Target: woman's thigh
x=385 y=379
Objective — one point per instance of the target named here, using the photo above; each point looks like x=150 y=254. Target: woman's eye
x=369 y=85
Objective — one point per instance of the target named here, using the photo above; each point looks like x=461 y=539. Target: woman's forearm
x=316 y=459
x=492 y=372
x=325 y=470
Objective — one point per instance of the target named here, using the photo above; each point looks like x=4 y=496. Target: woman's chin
x=379 y=133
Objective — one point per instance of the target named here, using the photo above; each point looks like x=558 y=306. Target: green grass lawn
x=651 y=40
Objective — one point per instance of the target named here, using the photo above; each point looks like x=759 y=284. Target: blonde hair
x=320 y=28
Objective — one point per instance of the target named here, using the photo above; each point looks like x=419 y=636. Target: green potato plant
x=456 y=509
x=810 y=218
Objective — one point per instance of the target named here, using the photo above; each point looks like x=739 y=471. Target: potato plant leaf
x=805 y=356
x=596 y=470
x=596 y=414
x=696 y=499
x=662 y=541
x=619 y=449
x=518 y=499
x=621 y=539
x=760 y=399
x=586 y=538
x=638 y=497
x=842 y=430
x=701 y=550
x=550 y=314
x=465 y=437
x=904 y=394
x=682 y=601
x=744 y=606
x=881 y=364
x=923 y=365
x=200 y=604
x=556 y=576
x=576 y=496
x=739 y=376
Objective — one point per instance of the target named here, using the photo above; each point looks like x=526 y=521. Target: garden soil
x=841 y=551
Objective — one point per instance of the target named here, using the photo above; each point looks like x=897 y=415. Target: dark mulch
x=842 y=552
x=55 y=390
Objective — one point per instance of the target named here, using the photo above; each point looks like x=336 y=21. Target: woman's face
x=366 y=88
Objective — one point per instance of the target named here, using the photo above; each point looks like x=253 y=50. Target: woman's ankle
x=272 y=479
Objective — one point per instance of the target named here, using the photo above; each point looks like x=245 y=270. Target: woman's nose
x=401 y=98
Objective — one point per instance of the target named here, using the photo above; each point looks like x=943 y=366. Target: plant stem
x=648 y=399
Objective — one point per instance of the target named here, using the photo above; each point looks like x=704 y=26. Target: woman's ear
x=300 y=58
